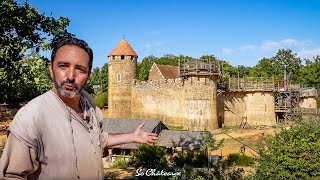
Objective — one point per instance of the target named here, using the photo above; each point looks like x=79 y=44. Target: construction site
x=196 y=95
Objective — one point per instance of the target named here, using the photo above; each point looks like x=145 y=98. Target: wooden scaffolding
x=199 y=67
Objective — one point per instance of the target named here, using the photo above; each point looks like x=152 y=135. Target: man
x=58 y=135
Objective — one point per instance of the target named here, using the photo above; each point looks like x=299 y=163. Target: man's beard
x=64 y=92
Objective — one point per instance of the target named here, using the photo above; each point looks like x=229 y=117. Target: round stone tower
x=122 y=71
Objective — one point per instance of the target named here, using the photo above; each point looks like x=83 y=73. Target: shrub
x=192 y=158
x=239 y=159
x=150 y=157
x=101 y=99
x=120 y=163
x=292 y=153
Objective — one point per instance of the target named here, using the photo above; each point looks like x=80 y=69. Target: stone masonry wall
x=257 y=108
x=177 y=103
x=154 y=73
x=121 y=75
x=309 y=102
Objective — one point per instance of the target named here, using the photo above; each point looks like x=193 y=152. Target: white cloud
x=270 y=45
x=290 y=42
x=247 y=48
x=226 y=51
x=309 y=53
x=253 y=52
x=153 y=45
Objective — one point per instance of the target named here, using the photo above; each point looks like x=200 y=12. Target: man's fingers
x=153 y=138
x=152 y=134
x=141 y=125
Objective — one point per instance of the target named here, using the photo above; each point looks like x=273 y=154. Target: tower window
x=113 y=57
x=132 y=57
x=122 y=57
x=118 y=77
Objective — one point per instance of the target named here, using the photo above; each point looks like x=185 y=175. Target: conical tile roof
x=123 y=48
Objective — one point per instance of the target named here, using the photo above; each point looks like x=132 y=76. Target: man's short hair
x=72 y=41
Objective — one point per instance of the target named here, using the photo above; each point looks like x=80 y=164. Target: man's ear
x=51 y=70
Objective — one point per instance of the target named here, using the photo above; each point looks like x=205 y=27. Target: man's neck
x=71 y=102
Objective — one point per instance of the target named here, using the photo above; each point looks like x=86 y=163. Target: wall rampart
x=176 y=102
x=256 y=108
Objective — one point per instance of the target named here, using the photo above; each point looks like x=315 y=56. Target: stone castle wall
x=308 y=102
x=256 y=108
x=191 y=104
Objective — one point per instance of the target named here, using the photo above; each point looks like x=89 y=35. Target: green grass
x=120 y=163
x=239 y=159
x=172 y=127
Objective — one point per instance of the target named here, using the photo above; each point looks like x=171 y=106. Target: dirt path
x=241 y=139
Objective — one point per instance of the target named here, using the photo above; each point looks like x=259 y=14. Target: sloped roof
x=184 y=139
x=123 y=48
x=168 y=72
x=118 y=126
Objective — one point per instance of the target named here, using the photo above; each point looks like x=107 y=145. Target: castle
x=190 y=96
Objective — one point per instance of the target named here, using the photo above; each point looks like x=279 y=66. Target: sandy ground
x=3 y=136
x=235 y=139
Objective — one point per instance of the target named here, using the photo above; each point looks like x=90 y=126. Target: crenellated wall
x=191 y=104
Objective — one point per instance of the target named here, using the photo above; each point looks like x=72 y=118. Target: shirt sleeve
x=104 y=139
x=17 y=160
x=103 y=134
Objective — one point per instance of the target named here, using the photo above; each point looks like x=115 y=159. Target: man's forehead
x=69 y=53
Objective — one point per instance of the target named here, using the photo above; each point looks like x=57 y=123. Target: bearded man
x=58 y=134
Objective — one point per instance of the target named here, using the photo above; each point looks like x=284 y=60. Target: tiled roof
x=123 y=48
x=184 y=139
x=118 y=126
x=168 y=72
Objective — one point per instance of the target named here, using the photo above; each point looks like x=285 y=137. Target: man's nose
x=71 y=74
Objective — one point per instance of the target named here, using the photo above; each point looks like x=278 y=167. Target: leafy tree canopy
x=292 y=154
x=23 y=31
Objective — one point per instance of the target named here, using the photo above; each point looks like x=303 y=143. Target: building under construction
x=291 y=101
x=192 y=95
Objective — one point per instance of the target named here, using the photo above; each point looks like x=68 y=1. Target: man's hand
x=140 y=136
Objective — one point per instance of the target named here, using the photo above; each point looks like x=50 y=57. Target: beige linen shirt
x=49 y=140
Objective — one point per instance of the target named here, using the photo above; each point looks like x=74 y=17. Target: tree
x=264 y=68
x=150 y=157
x=99 y=77
x=286 y=60
x=104 y=78
x=34 y=79
x=209 y=144
x=93 y=80
x=291 y=154
x=23 y=29
x=143 y=68
x=310 y=75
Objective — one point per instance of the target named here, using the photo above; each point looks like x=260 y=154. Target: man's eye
x=62 y=66
x=81 y=70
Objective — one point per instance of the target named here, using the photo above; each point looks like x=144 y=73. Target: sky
x=238 y=31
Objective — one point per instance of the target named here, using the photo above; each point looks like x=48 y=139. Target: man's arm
x=137 y=136
x=17 y=160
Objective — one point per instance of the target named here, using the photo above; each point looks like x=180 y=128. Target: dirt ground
x=3 y=136
x=245 y=140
